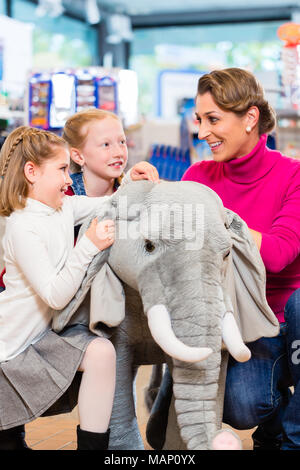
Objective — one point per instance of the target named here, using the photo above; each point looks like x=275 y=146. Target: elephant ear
x=79 y=308
x=246 y=283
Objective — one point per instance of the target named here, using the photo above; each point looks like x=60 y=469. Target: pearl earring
x=248 y=129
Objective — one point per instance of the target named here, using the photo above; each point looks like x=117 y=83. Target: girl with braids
x=38 y=368
x=98 y=153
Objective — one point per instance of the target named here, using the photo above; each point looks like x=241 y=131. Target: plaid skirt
x=43 y=380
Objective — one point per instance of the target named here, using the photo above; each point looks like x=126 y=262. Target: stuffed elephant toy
x=182 y=284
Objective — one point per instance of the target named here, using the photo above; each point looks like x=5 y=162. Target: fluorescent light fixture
x=93 y=15
x=119 y=29
x=51 y=8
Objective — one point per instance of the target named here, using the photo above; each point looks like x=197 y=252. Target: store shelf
x=9 y=114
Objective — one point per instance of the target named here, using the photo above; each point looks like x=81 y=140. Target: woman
x=262 y=187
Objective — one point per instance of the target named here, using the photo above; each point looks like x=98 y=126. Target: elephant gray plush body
x=193 y=282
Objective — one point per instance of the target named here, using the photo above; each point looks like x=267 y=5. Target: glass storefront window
x=58 y=42
x=2 y=7
x=253 y=46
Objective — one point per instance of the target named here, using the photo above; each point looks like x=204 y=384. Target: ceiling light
x=119 y=29
x=93 y=15
x=51 y=8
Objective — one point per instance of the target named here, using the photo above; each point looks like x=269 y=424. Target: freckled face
x=105 y=150
x=224 y=131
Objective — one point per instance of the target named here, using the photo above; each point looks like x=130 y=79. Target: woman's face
x=224 y=131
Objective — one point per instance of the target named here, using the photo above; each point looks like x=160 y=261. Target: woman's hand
x=144 y=171
x=102 y=234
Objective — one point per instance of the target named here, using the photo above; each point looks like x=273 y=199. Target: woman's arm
x=280 y=246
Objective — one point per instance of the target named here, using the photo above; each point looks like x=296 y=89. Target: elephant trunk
x=195 y=381
x=196 y=401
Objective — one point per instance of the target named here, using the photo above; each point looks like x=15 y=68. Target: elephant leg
x=153 y=387
x=173 y=440
x=158 y=419
x=124 y=430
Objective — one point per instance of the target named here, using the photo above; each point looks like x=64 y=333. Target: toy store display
x=288 y=114
x=170 y=162
x=290 y=34
x=39 y=101
x=106 y=94
x=85 y=91
x=56 y=95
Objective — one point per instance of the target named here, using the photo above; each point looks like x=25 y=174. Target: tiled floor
x=59 y=432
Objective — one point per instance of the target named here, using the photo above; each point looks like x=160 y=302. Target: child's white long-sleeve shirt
x=43 y=268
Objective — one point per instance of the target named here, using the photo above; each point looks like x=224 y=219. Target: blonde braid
x=28 y=132
x=24 y=144
x=13 y=147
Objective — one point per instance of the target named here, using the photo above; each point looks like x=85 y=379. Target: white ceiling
x=146 y=7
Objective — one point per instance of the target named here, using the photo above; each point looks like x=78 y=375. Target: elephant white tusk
x=233 y=340
x=161 y=329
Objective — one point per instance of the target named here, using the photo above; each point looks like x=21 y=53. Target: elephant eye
x=149 y=246
x=227 y=254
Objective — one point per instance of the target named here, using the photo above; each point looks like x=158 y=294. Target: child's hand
x=102 y=234
x=144 y=171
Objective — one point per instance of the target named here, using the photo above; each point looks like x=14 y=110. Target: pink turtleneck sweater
x=263 y=188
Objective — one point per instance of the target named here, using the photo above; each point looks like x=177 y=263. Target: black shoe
x=261 y=441
x=87 y=440
x=13 y=439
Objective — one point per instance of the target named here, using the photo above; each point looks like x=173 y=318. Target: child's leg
x=97 y=387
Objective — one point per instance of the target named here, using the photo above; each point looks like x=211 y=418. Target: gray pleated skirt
x=43 y=380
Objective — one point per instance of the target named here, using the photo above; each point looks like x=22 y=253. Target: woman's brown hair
x=22 y=145
x=236 y=90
